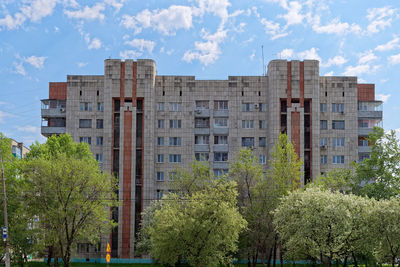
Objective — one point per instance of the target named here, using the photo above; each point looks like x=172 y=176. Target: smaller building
x=18 y=149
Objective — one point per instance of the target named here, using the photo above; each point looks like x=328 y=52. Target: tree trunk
x=280 y=254
x=393 y=260
x=274 y=263
x=355 y=260
x=255 y=258
x=56 y=261
x=49 y=255
x=248 y=260
x=67 y=255
x=270 y=257
x=345 y=261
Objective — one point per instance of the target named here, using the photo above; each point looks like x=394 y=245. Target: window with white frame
x=262 y=141
x=100 y=106
x=220 y=172
x=363 y=142
x=337 y=107
x=160 y=124
x=160 y=176
x=262 y=107
x=201 y=139
x=176 y=124
x=323 y=125
x=202 y=156
x=159 y=193
x=160 y=158
x=220 y=122
x=338 y=124
x=338 y=159
x=324 y=159
x=160 y=141
x=173 y=106
x=175 y=141
x=202 y=104
x=322 y=107
x=262 y=159
x=160 y=106
x=262 y=124
x=171 y=176
x=247 y=107
x=338 y=142
x=220 y=156
x=99 y=140
x=86 y=106
x=85 y=123
x=174 y=158
x=85 y=139
x=220 y=139
x=247 y=124
x=221 y=105
x=323 y=142
x=99 y=157
x=248 y=141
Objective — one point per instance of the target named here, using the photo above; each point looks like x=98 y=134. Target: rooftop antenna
x=262 y=52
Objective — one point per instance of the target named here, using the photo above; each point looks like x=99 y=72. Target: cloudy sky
x=44 y=40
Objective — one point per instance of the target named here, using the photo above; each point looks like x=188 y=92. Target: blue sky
x=44 y=40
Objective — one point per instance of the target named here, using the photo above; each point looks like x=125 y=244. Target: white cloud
x=35 y=61
x=34 y=11
x=306 y=54
x=393 y=44
x=335 y=61
x=335 y=27
x=293 y=15
x=19 y=68
x=253 y=54
x=329 y=73
x=87 y=13
x=397 y=133
x=129 y=54
x=394 y=59
x=94 y=43
x=380 y=18
x=286 y=53
x=29 y=129
x=166 y=21
x=383 y=98
x=142 y=44
x=366 y=57
x=360 y=69
x=115 y=3
x=217 y=7
x=206 y=52
x=273 y=29
x=82 y=64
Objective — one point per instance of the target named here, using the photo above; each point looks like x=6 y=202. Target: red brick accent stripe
x=289 y=84
x=296 y=131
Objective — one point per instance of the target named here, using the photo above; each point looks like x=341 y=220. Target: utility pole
x=5 y=213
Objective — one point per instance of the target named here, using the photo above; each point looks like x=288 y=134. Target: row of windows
x=88 y=140
x=173 y=141
x=87 y=106
x=87 y=123
x=218 y=105
x=336 y=142
x=205 y=123
x=336 y=107
x=336 y=125
x=336 y=159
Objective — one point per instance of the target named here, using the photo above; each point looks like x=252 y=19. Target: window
x=248 y=107
x=99 y=158
x=99 y=140
x=85 y=123
x=324 y=125
x=363 y=124
x=86 y=106
x=160 y=106
x=160 y=158
x=160 y=176
x=99 y=124
x=262 y=159
x=175 y=141
x=322 y=107
x=220 y=156
x=262 y=141
x=171 y=176
x=160 y=124
x=248 y=141
x=337 y=142
x=203 y=156
x=85 y=139
x=247 y=124
x=362 y=106
x=323 y=142
x=160 y=141
x=338 y=125
x=175 y=106
x=220 y=172
x=363 y=156
x=174 y=158
x=100 y=106
x=159 y=193
x=175 y=124
x=221 y=105
x=337 y=107
x=201 y=139
x=201 y=123
x=221 y=122
x=220 y=140
x=324 y=159
x=262 y=124
x=202 y=104
x=262 y=107
x=363 y=142
x=338 y=159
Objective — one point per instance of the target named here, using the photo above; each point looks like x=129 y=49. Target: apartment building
x=142 y=126
x=18 y=149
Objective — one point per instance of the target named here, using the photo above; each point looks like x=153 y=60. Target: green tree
x=323 y=225
x=202 y=228
x=386 y=228
x=256 y=201
x=379 y=176
x=284 y=166
x=67 y=191
x=338 y=179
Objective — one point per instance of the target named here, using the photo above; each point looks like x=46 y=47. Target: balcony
x=48 y=130
x=53 y=108
x=221 y=113
x=220 y=165
x=202 y=113
x=221 y=131
x=363 y=131
x=364 y=149
x=221 y=148
x=369 y=114
x=201 y=148
x=53 y=112
x=202 y=131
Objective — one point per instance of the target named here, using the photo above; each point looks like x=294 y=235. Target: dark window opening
x=343 y=94
x=180 y=93
x=80 y=92
x=307 y=167
x=283 y=105
x=163 y=93
x=116 y=105
x=98 y=92
x=139 y=105
x=326 y=93
x=307 y=131
x=307 y=106
x=242 y=93
x=295 y=100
